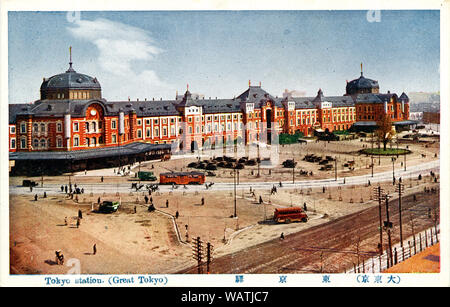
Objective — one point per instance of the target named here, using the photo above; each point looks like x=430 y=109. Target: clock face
x=93 y=112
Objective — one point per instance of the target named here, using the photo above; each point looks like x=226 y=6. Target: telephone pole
x=335 y=168
x=400 y=188
x=388 y=226
x=198 y=253
x=235 y=213
x=379 y=196
x=209 y=249
x=293 y=170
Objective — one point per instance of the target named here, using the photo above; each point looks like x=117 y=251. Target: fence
x=413 y=245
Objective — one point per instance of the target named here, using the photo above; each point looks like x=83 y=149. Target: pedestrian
x=65 y=189
x=98 y=200
x=146 y=199
x=62 y=188
x=134 y=209
x=45 y=194
x=35 y=197
x=304 y=206
x=94 y=249
x=82 y=190
x=80 y=215
x=65 y=221
x=203 y=201
x=151 y=200
x=31 y=188
x=101 y=179
x=167 y=203
x=323 y=189
x=176 y=214
x=78 y=222
x=260 y=199
x=282 y=236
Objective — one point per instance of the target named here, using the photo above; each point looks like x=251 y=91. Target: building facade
x=72 y=115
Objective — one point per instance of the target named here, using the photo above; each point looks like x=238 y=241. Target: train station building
x=73 y=122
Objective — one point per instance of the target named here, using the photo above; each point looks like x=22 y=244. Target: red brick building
x=73 y=116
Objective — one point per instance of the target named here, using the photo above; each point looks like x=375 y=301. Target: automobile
x=147 y=176
x=108 y=206
x=29 y=183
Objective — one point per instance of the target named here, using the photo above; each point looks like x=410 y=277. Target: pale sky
x=145 y=54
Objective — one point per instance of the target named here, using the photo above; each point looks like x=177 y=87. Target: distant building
x=431 y=117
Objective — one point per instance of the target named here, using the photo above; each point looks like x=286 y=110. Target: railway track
x=331 y=247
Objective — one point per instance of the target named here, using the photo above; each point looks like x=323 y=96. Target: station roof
x=129 y=149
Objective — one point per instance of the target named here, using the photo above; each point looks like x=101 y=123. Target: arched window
x=94 y=126
x=100 y=140
x=36 y=143
x=94 y=141
x=35 y=128
x=43 y=143
x=42 y=127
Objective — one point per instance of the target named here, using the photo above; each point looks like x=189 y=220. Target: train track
x=331 y=247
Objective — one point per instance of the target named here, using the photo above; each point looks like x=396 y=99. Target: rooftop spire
x=70 y=61
x=361 y=70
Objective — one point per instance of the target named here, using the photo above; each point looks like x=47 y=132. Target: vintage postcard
x=224 y=144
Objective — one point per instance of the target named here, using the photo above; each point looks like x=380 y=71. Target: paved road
x=411 y=172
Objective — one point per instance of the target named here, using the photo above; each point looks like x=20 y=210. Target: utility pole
x=400 y=188
x=293 y=170
x=259 y=159
x=235 y=213
x=335 y=168
x=198 y=253
x=393 y=172
x=209 y=249
x=388 y=226
x=379 y=195
x=404 y=162
x=372 y=164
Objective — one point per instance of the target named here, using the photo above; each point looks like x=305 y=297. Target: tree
x=385 y=131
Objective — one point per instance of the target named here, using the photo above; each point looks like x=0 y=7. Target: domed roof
x=70 y=80
x=361 y=85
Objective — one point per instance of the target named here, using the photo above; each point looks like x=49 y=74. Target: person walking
x=146 y=199
x=167 y=203
x=80 y=215
x=94 y=249
x=62 y=188
x=177 y=214
x=282 y=236
x=35 y=197
x=78 y=223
